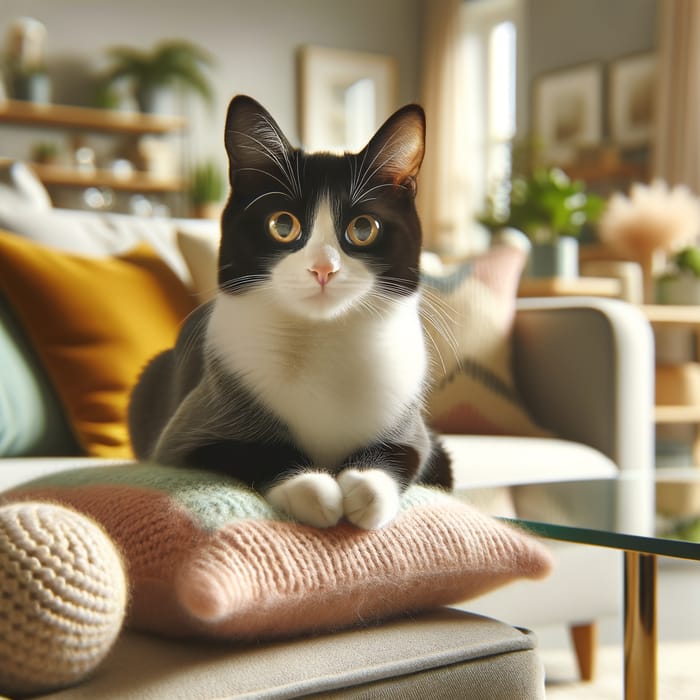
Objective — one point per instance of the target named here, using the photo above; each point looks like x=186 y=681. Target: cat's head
x=320 y=234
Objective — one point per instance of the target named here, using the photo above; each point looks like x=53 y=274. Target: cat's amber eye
x=284 y=227
x=362 y=230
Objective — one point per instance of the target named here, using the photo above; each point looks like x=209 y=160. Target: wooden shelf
x=677 y=414
x=602 y=171
x=578 y=286
x=672 y=315
x=68 y=117
x=61 y=176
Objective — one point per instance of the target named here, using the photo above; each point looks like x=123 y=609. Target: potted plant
x=207 y=190
x=45 y=152
x=551 y=210
x=681 y=284
x=27 y=74
x=170 y=63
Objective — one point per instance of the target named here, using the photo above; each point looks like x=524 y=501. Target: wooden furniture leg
x=584 y=638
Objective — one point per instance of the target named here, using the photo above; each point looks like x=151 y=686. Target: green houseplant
x=207 y=189
x=170 y=63
x=681 y=283
x=550 y=209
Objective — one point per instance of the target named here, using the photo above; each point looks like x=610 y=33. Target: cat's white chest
x=338 y=385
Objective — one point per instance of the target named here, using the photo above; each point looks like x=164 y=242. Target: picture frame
x=568 y=112
x=631 y=97
x=344 y=96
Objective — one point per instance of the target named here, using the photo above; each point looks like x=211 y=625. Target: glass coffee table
x=598 y=526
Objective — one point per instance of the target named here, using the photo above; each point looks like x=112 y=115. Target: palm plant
x=172 y=62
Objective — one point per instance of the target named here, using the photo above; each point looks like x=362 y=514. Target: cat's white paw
x=312 y=498
x=370 y=497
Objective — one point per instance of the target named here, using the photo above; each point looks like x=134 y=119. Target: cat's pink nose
x=323 y=272
x=324 y=263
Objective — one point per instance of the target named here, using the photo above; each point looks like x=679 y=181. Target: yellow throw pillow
x=94 y=323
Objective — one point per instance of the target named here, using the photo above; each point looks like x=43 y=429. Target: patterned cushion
x=468 y=316
x=207 y=556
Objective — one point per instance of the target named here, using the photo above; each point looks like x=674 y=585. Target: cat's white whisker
x=265 y=194
x=288 y=170
x=263 y=147
x=288 y=192
x=368 y=173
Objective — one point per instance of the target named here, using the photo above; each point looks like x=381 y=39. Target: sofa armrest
x=585 y=370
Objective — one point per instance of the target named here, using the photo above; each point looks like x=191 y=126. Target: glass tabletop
x=616 y=512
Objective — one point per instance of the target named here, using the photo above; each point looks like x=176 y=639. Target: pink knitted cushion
x=207 y=556
x=469 y=316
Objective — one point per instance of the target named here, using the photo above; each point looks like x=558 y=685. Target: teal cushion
x=32 y=421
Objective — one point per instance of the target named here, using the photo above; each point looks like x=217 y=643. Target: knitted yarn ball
x=63 y=595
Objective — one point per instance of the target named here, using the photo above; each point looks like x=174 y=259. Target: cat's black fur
x=192 y=408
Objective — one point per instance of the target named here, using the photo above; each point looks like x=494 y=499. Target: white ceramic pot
x=556 y=259
x=683 y=289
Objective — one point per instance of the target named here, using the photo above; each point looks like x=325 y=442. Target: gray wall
x=563 y=33
x=255 y=42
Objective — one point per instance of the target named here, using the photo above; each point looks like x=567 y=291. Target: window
x=489 y=63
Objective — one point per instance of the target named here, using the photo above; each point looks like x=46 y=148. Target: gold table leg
x=640 y=626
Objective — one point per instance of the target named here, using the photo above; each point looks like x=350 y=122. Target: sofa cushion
x=19 y=186
x=94 y=323
x=200 y=249
x=484 y=461
x=32 y=421
x=207 y=556
x=94 y=234
x=469 y=316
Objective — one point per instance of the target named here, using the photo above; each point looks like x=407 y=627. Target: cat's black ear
x=396 y=150
x=254 y=141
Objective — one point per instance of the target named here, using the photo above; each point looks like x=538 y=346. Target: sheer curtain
x=677 y=138
x=441 y=201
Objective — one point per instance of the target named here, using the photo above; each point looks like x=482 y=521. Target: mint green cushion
x=31 y=418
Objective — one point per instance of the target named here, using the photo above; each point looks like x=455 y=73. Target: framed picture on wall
x=567 y=111
x=631 y=91
x=344 y=96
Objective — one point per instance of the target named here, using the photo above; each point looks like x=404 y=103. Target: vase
x=154 y=99
x=33 y=87
x=556 y=259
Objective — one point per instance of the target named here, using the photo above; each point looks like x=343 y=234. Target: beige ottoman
x=442 y=654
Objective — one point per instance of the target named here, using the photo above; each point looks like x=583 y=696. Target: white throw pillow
x=95 y=234
x=19 y=186
x=200 y=248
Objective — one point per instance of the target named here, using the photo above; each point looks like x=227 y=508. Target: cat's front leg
x=374 y=478
x=312 y=498
x=370 y=497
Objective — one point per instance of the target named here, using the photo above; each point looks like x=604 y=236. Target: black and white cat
x=304 y=377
